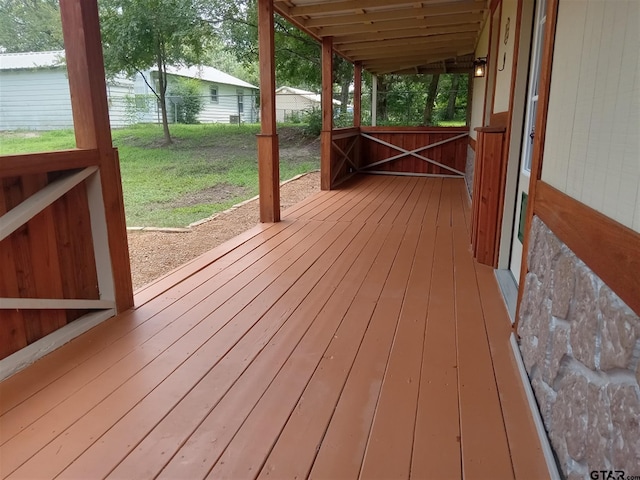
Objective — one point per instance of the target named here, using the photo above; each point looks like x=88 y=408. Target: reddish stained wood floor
x=357 y=338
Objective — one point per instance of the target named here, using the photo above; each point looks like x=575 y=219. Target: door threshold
x=509 y=289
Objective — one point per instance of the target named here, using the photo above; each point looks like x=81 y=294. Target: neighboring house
x=225 y=99
x=34 y=93
x=294 y=101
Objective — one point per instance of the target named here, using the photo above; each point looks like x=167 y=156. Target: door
x=527 y=139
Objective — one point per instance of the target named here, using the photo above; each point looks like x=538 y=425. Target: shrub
x=185 y=94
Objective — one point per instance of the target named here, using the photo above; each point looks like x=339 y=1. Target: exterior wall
x=468 y=171
x=479 y=84
x=581 y=348
x=39 y=99
x=286 y=103
x=220 y=111
x=35 y=100
x=592 y=147
x=504 y=60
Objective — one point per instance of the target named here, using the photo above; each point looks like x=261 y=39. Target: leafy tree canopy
x=30 y=26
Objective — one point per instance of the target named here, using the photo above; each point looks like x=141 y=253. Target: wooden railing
x=430 y=151
x=52 y=223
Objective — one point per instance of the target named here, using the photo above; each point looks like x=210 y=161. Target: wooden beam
x=327 y=113
x=268 y=146
x=395 y=14
x=45 y=162
x=85 y=67
x=402 y=33
x=449 y=20
x=357 y=94
x=412 y=43
x=345 y=6
x=54 y=304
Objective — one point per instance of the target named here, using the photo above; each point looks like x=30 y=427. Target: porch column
x=374 y=101
x=327 y=113
x=268 y=147
x=357 y=94
x=85 y=66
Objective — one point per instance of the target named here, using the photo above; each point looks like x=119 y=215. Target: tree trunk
x=453 y=94
x=431 y=99
x=383 y=101
x=162 y=86
x=344 y=94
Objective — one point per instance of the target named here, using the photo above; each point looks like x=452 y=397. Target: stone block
x=545 y=397
x=584 y=317
x=599 y=442
x=620 y=331
x=559 y=348
x=625 y=420
x=543 y=252
x=532 y=297
x=570 y=414
x=564 y=281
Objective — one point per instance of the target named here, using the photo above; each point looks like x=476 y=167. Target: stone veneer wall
x=581 y=348
x=468 y=172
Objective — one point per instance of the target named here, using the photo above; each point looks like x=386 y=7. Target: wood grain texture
x=326 y=174
x=31 y=163
x=302 y=350
x=609 y=248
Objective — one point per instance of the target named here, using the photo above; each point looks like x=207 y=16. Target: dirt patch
x=155 y=253
x=217 y=194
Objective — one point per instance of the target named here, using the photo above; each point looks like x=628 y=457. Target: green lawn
x=208 y=169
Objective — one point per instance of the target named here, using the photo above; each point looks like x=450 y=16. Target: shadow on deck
x=355 y=338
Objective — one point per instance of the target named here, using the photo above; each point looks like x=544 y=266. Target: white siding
x=35 y=100
x=479 y=84
x=592 y=148
x=287 y=103
x=504 y=59
x=121 y=103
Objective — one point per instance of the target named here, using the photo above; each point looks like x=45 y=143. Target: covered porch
x=356 y=338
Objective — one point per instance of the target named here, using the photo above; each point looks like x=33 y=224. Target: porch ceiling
x=394 y=36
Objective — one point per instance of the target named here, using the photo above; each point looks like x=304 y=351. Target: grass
x=206 y=170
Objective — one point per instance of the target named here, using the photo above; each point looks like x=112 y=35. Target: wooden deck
x=357 y=338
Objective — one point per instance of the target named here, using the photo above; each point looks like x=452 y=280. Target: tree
x=431 y=99
x=140 y=34
x=30 y=26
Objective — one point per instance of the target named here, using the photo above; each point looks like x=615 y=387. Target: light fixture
x=480 y=67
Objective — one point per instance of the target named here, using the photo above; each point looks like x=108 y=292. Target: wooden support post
x=357 y=94
x=268 y=149
x=85 y=66
x=374 y=101
x=327 y=113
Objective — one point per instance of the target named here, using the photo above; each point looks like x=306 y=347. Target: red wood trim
x=494 y=5
x=383 y=129
x=85 y=67
x=490 y=129
x=32 y=163
x=357 y=94
x=538 y=143
x=500 y=119
x=609 y=248
x=327 y=113
x=472 y=143
x=345 y=133
x=268 y=147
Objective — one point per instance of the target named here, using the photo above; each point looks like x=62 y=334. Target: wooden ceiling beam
x=442 y=21
x=396 y=14
x=395 y=53
x=402 y=33
x=413 y=42
x=343 y=6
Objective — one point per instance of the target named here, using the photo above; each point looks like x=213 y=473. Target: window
x=213 y=92
x=240 y=94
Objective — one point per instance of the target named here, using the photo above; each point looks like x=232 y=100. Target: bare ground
x=154 y=253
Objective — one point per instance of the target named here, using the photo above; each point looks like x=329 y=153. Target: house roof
x=314 y=97
x=394 y=36
x=28 y=60
x=208 y=74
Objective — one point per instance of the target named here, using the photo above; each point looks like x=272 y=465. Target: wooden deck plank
x=388 y=452
x=124 y=385
x=527 y=457
x=344 y=443
x=480 y=411
x=436 y=447
x=136 y=327
x=369 y=346
x=23 y=385
x=158 y=447
x=148 y=413
x=198 y=451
